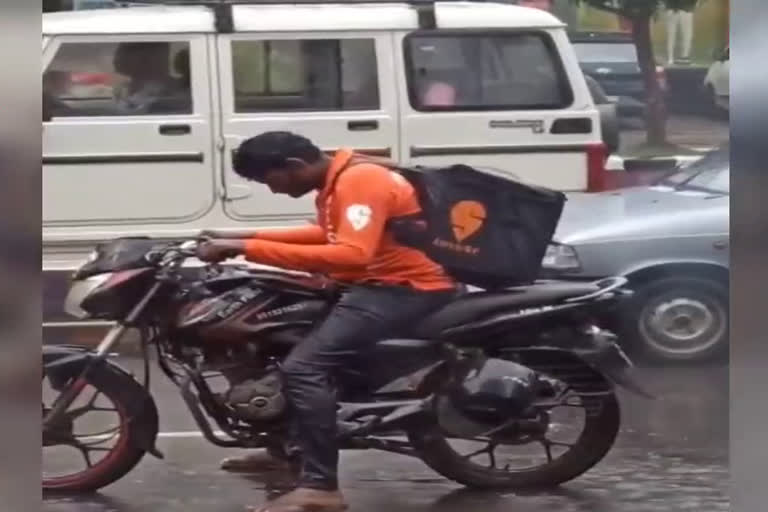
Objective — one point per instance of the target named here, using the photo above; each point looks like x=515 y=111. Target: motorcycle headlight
x=561 y=258
x=79 y=291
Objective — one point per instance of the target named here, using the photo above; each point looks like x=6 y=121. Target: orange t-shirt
x=350 y=242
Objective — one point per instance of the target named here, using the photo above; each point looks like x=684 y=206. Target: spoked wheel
x=91 y=444
x=544 y=451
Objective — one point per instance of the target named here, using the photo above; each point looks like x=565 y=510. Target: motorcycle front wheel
x=93 y=443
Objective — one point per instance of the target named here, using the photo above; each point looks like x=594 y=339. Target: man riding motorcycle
x=389 y=285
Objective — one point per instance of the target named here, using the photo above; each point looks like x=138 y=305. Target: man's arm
x=361 y=208
x=306 y=235
x=309 y=235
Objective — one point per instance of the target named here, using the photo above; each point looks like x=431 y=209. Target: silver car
x=671 y=241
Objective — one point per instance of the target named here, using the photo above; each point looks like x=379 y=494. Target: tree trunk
x=656 y=107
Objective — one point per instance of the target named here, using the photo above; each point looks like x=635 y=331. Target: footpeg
x=348 y=429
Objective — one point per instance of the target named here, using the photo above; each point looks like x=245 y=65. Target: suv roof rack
x=222 y=9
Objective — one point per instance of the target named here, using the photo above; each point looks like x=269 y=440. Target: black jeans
x=363 y=316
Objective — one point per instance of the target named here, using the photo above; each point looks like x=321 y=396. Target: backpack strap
x=361 y=159
x=353 y=161
x=410 y=230
x=339 y=173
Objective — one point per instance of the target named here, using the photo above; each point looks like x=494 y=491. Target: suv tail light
x=597 y=155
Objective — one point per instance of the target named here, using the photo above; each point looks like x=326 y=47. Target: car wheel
x=678 y=319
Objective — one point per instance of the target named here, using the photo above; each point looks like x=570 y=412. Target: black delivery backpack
x=485 y=230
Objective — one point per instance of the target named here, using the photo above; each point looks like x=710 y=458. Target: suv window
x=305 y=75
x=119 y=79
x=513 y=71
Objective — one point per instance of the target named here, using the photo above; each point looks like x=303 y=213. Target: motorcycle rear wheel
x=594 y=442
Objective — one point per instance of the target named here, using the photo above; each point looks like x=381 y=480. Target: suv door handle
x=362 y=126
x=175 y=129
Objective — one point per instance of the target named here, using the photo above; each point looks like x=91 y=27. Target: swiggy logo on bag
x=467 y=218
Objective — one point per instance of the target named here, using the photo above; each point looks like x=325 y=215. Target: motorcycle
x=489 y=368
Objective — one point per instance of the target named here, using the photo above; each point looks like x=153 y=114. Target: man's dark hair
x=271 y=150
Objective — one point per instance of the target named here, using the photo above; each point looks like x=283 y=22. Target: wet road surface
x=671 y=455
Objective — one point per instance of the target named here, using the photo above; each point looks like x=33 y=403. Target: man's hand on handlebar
x=227 y=235
x=220 y=249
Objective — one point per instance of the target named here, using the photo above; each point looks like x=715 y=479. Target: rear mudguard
x=595 y=348
x=64 y=362
x=599 y=350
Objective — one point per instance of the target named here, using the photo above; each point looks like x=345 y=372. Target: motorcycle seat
x=475 y=305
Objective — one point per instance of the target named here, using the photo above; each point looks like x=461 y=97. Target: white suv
x=148 y=103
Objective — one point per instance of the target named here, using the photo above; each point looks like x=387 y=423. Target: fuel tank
x=253 y=307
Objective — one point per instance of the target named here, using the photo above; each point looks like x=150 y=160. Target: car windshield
x=606 y=52
x=709 y=174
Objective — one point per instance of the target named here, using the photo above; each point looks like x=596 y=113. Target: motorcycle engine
x=257 y=400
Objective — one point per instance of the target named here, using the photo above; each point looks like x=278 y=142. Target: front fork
x=115 y=334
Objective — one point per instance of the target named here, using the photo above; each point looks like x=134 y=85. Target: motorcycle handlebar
x=189 y=247
x=181 y=250
x=175 y=252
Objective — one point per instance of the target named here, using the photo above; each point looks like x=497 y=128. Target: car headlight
x=562 y=258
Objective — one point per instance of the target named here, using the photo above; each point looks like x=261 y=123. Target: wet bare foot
x=305 y=500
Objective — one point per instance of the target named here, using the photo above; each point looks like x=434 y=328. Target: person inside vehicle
x=150 y=87
x=389 y=286
x=439 y=94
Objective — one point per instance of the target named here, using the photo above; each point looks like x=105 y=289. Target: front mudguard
x=61 y=363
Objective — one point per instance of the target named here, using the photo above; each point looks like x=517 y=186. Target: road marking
x=193 y=434
x=84 y=323
x=182 y=435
